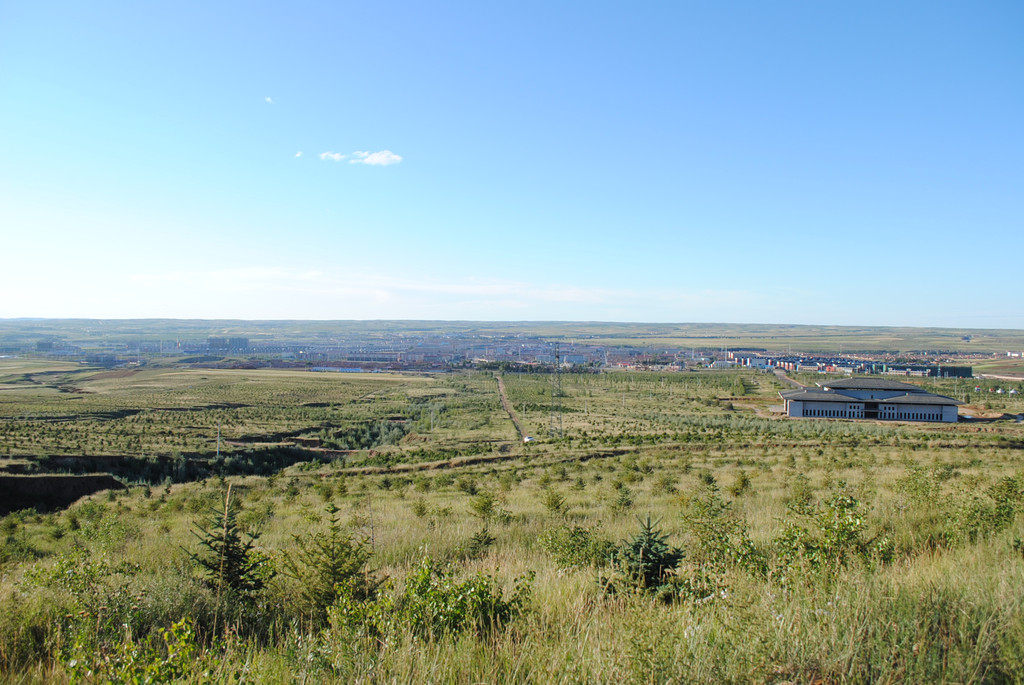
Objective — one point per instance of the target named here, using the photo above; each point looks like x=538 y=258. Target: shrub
x=831 y=536
x=977 y=515
x=623 y=500
x=718 y=537
x=419 y=508
x=1007 y=495
x=577 y=547
x=841 y=521
x=665 y=485
x=482 y=505
x=149 y=661
x=918 y=485
x=100 y=603
x=479 y=543
x=14 y=549
x=741 y=485
x=801 y=495
x=433 y=605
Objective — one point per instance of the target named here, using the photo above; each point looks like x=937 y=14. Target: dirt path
x=781 y=375
x=507 y=406
x=1000 y=377
x=560 y=458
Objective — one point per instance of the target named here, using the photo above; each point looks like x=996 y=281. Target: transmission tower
x=555 y=429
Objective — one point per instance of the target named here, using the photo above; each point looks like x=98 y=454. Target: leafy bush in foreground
x=434 y=605
x=133 y=661
x=718 y=536
x=830 y=538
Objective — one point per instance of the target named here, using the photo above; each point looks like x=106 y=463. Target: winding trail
x=507 y=406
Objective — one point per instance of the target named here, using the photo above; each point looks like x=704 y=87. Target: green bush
x=577 y=547
x=434 y=605
x=554 y=502
x=623 y=500
x=479 y=543
x=801 y=496
x=979 y=514
x=482 y=505
x=741 y=485
x=829 y=537
x=718 y=537
x=168 y=660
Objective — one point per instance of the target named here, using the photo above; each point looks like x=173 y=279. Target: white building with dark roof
x=870 y=398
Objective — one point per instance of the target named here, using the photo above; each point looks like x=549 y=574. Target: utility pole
x=555 y=428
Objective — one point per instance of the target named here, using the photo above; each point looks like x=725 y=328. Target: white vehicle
x=528 y=438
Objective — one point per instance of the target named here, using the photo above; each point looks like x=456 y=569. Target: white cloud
x=269 y=100
x=382 y=158
x=333 y=156
x=299 y=153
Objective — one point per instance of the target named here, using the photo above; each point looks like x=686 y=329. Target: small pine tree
x=230 y=562
x=623 y=500
x=331 y=563
x=554 y=502
x=483 y=506
x=647 y=558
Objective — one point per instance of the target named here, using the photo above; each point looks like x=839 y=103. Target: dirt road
x=1001 y=377
x=781 y=375
x=507 y=406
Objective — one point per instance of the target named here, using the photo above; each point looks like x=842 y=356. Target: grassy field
x=823 y=339
x=1001 y=366
x=410 y=536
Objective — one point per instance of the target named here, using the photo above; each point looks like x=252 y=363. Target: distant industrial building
x=227 y=344
x=922 y=370
x=870 y=398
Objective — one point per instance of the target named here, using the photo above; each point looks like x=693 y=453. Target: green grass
x=1001 y=366
x=920 y=582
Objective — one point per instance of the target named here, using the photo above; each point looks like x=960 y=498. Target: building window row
x=885 y=412
x=919 y=416
x=834 y=413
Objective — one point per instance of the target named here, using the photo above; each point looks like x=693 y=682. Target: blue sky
x=687 y=161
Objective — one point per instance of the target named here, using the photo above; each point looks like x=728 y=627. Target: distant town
x=377 y=350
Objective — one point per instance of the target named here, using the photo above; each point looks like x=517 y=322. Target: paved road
x=507 y=406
